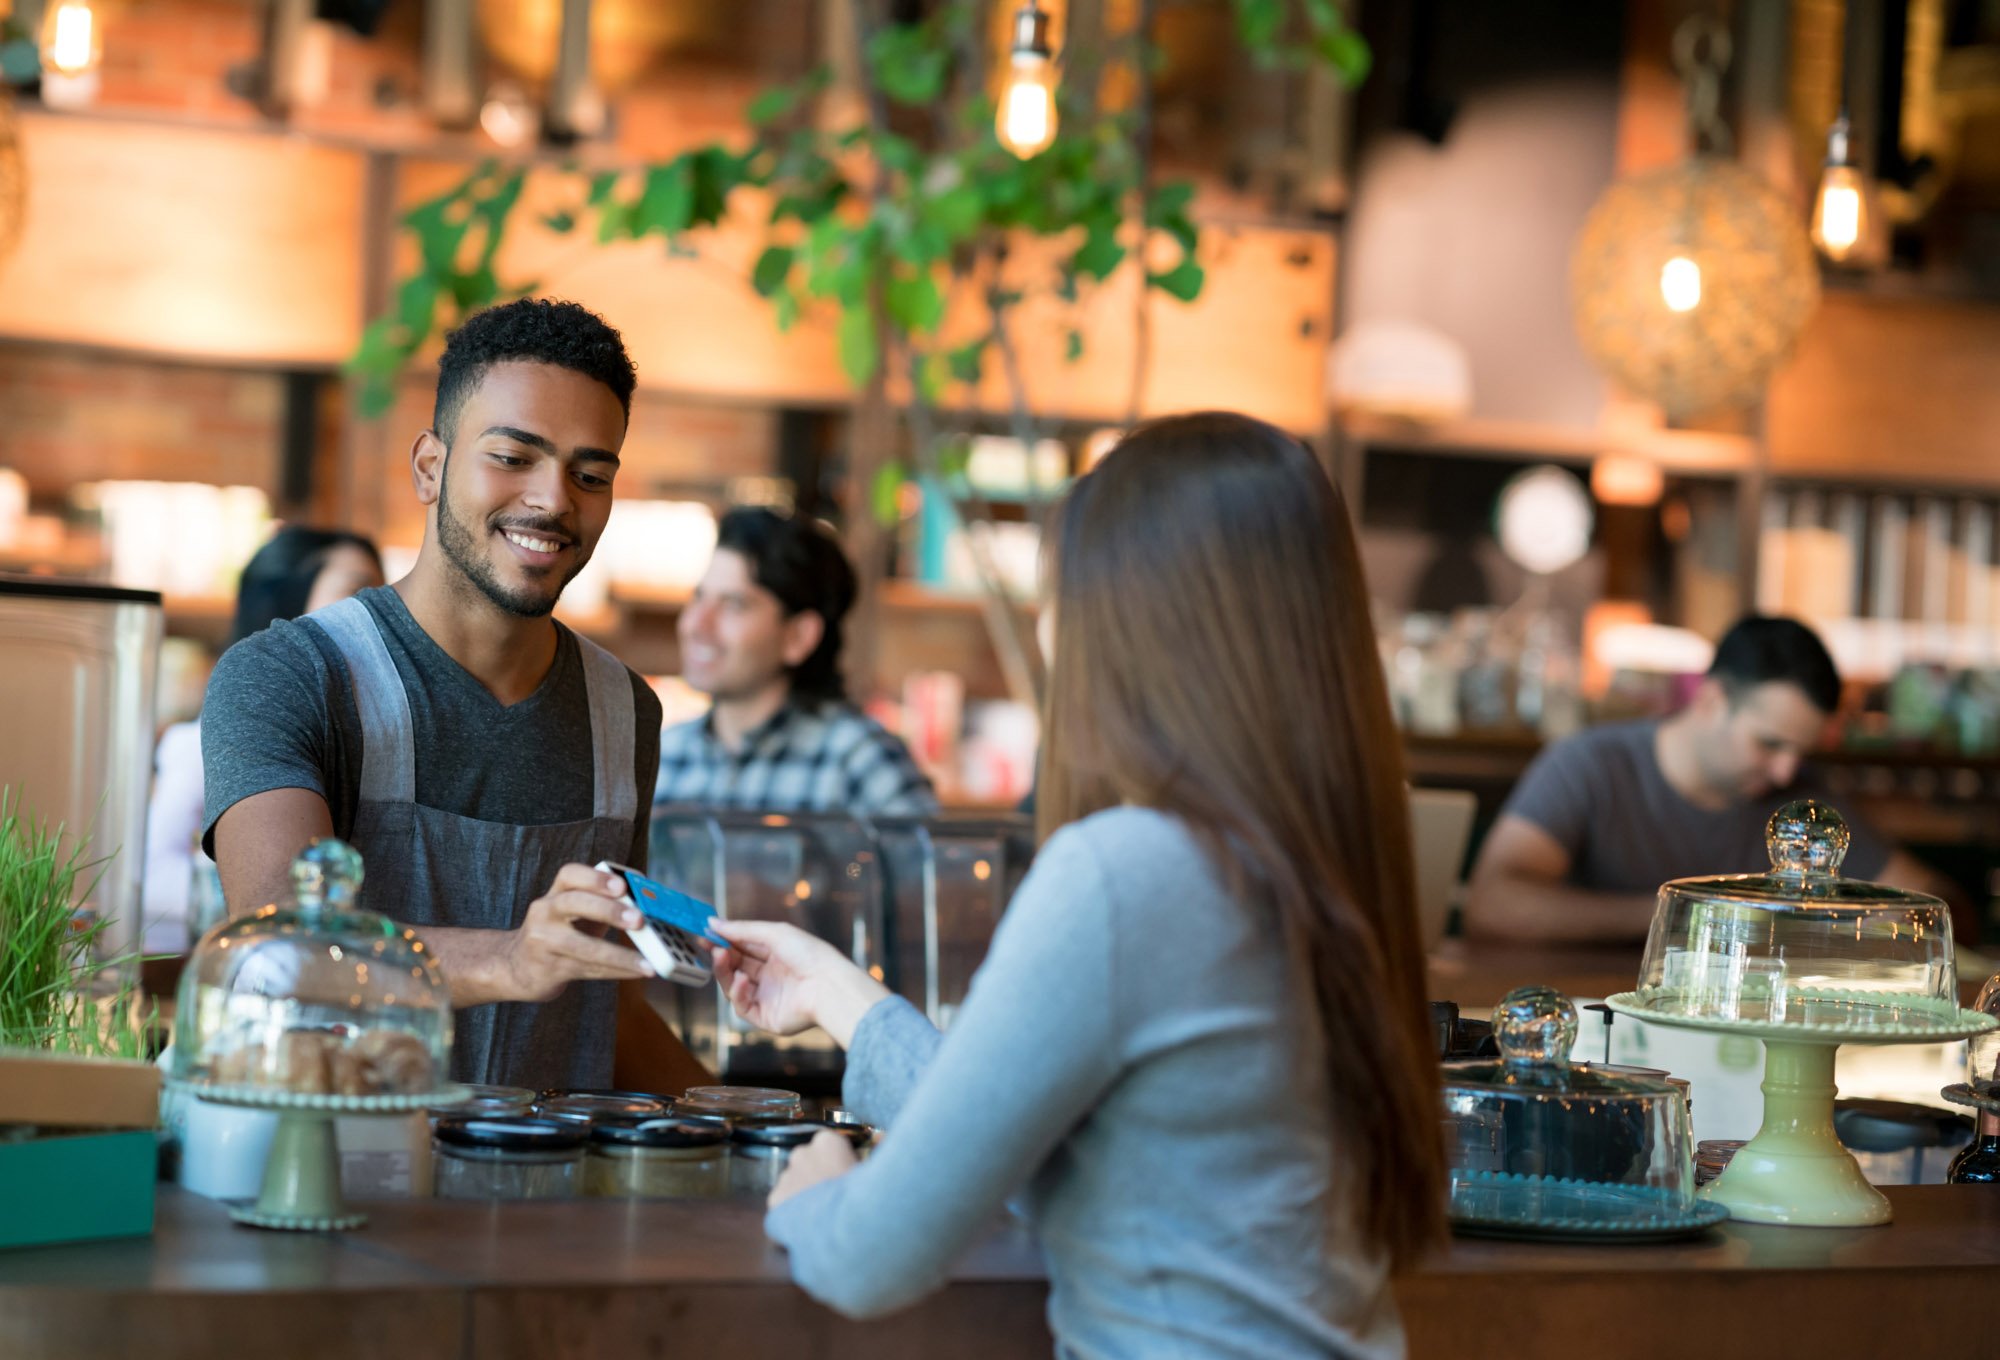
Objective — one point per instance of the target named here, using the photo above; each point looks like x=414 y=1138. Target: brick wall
x=72 y=415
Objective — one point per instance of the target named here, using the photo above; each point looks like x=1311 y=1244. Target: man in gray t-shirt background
x=1599 y=821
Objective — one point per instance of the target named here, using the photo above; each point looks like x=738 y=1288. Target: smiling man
x=478 y=754
x=1598 y=822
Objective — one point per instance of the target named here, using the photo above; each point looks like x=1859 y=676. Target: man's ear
x=427 y=458
x=803 y=632
x=1711 y=698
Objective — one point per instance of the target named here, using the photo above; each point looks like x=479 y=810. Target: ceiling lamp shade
x=1690 y=283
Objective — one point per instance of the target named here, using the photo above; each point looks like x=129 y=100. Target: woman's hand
x=782 y=979
x=828 y=1155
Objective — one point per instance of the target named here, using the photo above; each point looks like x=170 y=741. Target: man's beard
x=463 y=550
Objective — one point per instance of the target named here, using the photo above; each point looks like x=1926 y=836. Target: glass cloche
x=1800 y=945
x=1540 y=1146
x=325 y=999
x=1982 y=1051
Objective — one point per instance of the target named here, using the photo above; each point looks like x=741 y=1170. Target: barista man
x=478 y=754
x=1599 y=821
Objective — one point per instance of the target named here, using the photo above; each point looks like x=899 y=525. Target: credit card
x=658 y=902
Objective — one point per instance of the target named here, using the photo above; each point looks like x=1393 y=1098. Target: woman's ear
x=803 y=632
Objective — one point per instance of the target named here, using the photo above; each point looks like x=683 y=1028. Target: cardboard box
x=76 y=1187
x=60 y=1090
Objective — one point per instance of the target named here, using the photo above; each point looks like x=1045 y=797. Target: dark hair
x=798 y=560
x=537 y=329
x=279 y=576
x=1761 y=649
x=1215 y=660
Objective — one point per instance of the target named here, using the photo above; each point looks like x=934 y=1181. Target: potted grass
x=78 y=1100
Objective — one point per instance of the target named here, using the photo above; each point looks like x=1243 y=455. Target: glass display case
x=1805 y=961
x=948 y=881
x=319 y=1011
x=1541 y=1147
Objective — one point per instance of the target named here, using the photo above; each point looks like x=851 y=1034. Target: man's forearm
x=474 y=962
x=1513 y=907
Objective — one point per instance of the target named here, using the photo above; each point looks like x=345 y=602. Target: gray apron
x=431 y=868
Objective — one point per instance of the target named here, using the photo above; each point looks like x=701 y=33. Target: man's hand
x=783 y=980
x=562 y=940
x=828 y=1155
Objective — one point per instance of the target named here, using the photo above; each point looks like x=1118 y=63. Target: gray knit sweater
x=1130 y=1057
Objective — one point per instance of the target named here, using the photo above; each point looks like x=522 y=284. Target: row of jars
x=713 y=1142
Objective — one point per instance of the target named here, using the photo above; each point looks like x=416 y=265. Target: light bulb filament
x=1680 y=284
x=70 y=45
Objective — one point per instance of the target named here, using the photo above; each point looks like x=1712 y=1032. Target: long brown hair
x=1214 y=659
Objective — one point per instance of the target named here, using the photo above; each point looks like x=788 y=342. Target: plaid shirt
x=833 y=758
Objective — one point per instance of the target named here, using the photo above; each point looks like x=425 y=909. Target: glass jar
x=1536 y=1143
x=508 y=1158
x=740 y=1102
x=322 y=999
x=1800 y=945
x=488 y=1102
x=760 y=1148
x=591 y=1106
x=657 y=1158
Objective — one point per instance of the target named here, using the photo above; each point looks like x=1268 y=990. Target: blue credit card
x=661 y=904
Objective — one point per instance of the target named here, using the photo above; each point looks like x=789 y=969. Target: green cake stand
x=1795 y=1171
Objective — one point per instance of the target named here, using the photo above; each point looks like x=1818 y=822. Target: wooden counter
x=597 y=1279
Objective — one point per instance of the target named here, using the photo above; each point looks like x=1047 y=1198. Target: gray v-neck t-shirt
x=281 y=714
x=1601 y=795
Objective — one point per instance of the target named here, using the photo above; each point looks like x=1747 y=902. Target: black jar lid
x=671 y=1132
x=599 y=1104
x=513 y=1135
x=792 y=1132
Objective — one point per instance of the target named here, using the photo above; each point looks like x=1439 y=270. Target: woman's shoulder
x=1133 y=849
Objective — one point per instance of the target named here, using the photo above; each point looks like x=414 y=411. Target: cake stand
x=301 y=1190
x=1795 y=1171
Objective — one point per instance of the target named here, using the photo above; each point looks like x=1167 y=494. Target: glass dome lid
x=1538 y=1144
x=325 y=999
x=1800 y=947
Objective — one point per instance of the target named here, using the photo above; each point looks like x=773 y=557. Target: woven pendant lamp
x=1691 y=283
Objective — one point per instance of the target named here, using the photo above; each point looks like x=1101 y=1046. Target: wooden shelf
x=1697 y=452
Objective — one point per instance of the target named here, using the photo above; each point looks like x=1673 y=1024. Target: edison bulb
x=1680 y=284
x=1027 y=121
x=1839 y=212
x=70 y=44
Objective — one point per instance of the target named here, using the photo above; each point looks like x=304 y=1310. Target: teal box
x=77 y=1186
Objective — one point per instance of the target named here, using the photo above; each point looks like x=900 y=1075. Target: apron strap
x=613 y=730
x=388 y=755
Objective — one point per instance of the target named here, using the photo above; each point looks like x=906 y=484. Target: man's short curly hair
x=536 y=329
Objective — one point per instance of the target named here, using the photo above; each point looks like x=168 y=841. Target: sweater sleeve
x=892 y=1047
x=1030 y=1053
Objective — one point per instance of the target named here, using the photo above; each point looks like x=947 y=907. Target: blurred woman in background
x=1199 y=1040
x=295 y=573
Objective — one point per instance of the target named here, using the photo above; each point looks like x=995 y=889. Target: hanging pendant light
x=72 y=48
x=1026 y=119
x=1691 y=283
x=1840 y=208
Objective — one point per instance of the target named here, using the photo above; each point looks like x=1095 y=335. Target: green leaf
x=559 y=221
x=1183 y=281
x=914 y=301
x=1258 y=22
x=953 y=459
x=416 y=307
x=1100 y=252
x=1073 y=346
x=772 y=267
x=613 y=221
x=1347 y=52
x=909 y=65
x=768 y=107
x=967 y=360
x=601 y=185
x=474 y=290
x=856 y=342
x=932 y=374
x=787 y=310
x=667 y=201
x=957 y=212
x=885 y=493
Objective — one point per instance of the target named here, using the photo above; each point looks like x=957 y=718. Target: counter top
x=432 y=1278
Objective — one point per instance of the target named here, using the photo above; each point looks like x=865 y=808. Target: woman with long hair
x=1199 y=1039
